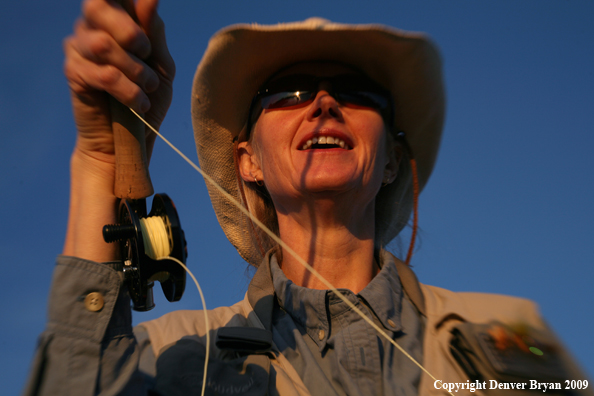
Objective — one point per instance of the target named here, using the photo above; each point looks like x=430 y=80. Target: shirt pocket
x=180 y=371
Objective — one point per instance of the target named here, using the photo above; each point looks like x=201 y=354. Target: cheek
x=372 y=133
x=377 y=142
x=272 y=139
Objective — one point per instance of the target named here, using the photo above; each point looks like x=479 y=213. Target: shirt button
x=94 y=302
x=391 y=323
x=321 y=335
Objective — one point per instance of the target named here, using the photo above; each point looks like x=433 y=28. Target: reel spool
x=140 y=270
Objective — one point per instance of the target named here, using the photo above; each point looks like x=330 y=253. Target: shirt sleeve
x=88 y=346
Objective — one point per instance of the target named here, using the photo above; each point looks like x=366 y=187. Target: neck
x=336 y=241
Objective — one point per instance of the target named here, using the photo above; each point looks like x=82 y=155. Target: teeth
x=325 y=140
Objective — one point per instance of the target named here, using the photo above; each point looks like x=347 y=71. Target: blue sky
x=507 y=210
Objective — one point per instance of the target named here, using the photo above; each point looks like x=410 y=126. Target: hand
x=111 y=53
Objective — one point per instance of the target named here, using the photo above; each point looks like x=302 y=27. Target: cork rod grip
x=132 y=179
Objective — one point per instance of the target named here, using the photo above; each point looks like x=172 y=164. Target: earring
x=386 y=180
x=259 y=183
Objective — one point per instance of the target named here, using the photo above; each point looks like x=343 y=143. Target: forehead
x=318 y=69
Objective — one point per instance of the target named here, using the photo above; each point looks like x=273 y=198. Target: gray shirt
x=335 y=351
x=89 y=352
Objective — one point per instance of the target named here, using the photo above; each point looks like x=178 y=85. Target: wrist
x=92 y=205
x=98 y=167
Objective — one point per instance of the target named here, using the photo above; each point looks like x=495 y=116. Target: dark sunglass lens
x=366 y=99
x=285 y=99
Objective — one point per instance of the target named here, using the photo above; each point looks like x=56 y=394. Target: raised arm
x=88 y=347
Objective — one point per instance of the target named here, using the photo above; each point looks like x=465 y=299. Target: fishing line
x=155 y=237
x=157 y=245
x=287 y=248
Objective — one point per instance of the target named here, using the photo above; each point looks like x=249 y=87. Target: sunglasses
x=301 y=89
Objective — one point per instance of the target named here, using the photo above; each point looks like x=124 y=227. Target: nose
x=324 y=105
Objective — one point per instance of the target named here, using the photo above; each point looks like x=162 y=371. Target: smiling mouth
x=325 y=142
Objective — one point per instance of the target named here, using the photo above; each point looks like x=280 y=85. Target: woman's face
x=282 y=151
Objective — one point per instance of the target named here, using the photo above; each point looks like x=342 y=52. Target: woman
x=306 y=137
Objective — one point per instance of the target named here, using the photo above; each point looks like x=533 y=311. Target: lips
x=326 y=140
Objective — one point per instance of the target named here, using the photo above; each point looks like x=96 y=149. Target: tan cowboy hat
x=240 y=58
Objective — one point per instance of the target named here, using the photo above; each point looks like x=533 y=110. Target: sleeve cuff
x=88 y=300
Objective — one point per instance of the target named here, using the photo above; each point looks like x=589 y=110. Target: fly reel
x=143 y=265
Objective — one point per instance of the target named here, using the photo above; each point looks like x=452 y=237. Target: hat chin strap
x=401 y=137
x=413 y=166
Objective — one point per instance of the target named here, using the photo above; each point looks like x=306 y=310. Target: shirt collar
x=306 y=306
x=384 y=294
x=309 y=307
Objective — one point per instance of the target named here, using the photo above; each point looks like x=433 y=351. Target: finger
x=154 y=27
x=84 y=75
x=115 y=20
x=99 y=47
x=145 y=10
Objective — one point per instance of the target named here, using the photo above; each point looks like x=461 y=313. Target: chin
x=332 y=186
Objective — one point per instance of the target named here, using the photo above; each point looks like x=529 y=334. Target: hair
x=394 y=202
x=258 y=202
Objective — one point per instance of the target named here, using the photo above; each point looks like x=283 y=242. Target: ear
x=249 y=167
x=394 y=155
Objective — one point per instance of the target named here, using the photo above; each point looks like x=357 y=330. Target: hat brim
x=240 y=58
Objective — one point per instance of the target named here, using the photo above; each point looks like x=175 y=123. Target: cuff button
x=94 y=302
